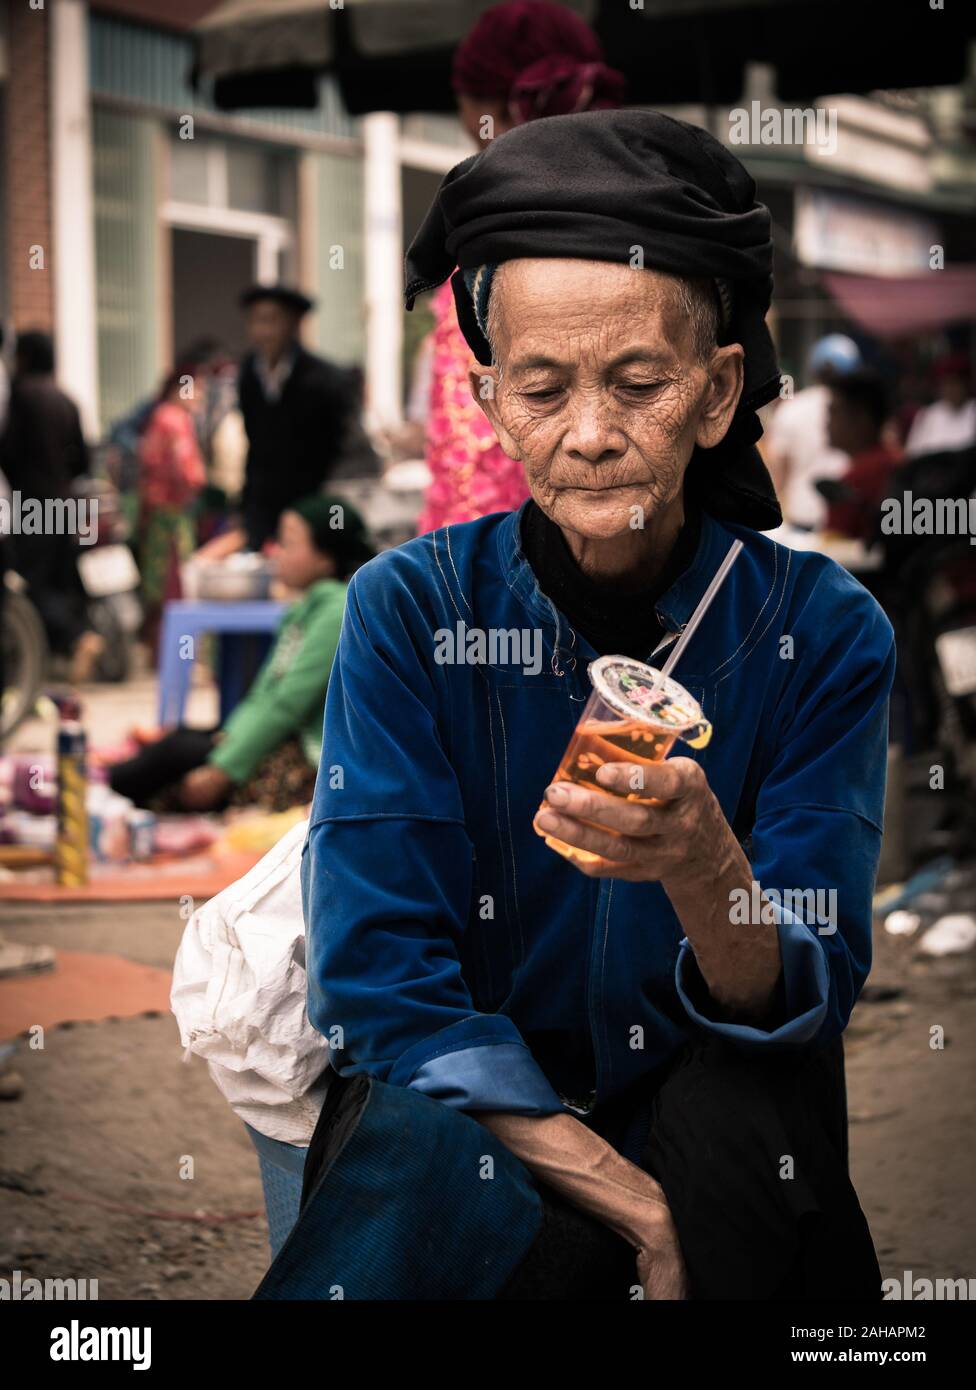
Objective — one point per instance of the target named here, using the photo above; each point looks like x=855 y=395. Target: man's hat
x=285 y=295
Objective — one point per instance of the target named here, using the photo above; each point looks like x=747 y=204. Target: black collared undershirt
x=612 y=622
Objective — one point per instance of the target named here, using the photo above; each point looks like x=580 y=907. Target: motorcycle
x=23 y=653
x=110 y=578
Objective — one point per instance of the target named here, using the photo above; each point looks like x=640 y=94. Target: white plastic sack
x=239 y=996
x=950 y=935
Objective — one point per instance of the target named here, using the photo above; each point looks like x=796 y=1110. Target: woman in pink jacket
x=521 y=60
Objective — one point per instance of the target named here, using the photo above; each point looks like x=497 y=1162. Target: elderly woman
x=652 y=1077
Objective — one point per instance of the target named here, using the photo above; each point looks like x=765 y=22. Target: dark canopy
x=389 y=55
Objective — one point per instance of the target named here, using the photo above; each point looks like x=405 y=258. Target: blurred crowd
x=231 y=459
x=834 y=447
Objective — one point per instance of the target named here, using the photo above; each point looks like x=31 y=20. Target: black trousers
x=751 y=1152
x=159 y=765
x=48 y=564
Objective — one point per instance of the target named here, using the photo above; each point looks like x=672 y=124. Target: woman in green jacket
x=268 y=751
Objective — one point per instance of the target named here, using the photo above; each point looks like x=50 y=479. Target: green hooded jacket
x=288 y=694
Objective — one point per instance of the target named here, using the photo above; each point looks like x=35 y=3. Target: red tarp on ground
x=200 y=876
x=83 y=987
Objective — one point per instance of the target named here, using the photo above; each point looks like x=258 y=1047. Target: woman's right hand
x=221 y=546
x=660 y=1265
x=585 y=1170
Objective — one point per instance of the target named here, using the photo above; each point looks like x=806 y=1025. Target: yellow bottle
x=71 y=853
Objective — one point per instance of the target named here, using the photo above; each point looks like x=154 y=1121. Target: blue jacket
x=442 y=931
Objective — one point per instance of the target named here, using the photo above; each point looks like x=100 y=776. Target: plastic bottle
x=71 y=853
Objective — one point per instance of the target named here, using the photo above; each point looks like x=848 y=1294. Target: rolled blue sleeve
x=804 y=994
x=818 y=826
x=489 y=1074
x=387 y=880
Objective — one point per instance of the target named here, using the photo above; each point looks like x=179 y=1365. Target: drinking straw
x=717 y=581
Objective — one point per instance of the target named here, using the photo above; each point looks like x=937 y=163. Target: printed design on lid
x=636 y=690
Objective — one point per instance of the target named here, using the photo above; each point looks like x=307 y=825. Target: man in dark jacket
x=42 y=452
x=295 y=407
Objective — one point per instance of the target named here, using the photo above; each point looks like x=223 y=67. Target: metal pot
x=238 y=579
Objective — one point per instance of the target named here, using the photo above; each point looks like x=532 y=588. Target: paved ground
x=90 y=1180
x=91 y=1155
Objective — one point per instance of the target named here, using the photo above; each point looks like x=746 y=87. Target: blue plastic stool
x=281 y=1177
x=182 y=619
x=240 y=655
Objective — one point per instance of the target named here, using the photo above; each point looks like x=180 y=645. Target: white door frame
x=73 y=213
x=271 y=235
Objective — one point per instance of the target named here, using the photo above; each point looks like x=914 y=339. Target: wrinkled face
x=598 y=390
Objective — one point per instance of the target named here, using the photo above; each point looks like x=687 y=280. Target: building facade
x=134 y=213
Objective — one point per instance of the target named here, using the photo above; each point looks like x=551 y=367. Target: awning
x=891 y=308
x=395 y=55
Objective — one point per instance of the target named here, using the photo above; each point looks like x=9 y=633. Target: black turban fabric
x=596 y=186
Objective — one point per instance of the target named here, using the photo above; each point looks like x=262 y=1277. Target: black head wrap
x=597 y=186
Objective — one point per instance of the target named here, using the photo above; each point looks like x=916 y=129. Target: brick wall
x=28 y=167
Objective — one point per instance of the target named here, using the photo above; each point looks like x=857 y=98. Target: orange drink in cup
x=633 y=715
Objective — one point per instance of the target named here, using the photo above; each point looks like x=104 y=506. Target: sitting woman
x=171 y=476
x=607 y=1038
x=268 y=750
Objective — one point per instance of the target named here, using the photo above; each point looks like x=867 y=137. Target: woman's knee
x=723 y=1112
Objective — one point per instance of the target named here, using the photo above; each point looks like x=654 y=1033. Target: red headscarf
x=540 y=58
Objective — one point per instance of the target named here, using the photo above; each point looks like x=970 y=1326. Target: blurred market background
x=157 y=161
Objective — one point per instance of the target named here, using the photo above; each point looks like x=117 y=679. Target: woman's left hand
x=682 y=841
x=678 y=837
x=204 y=788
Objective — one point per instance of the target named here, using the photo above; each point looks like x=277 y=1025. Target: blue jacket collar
x=674 y=607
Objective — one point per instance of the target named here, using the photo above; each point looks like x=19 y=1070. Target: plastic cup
x=633 y=715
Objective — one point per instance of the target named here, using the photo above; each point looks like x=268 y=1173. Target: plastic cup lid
x=636 y=691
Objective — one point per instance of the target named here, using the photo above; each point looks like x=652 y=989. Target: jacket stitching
x=388 y=815
x=603 y=974
x=772 y=618
x=494 y=766
x=450 y=556
x=758 y=616
x=440 y=570
x=491 y=732
x=821 y=806
x=511 y=846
